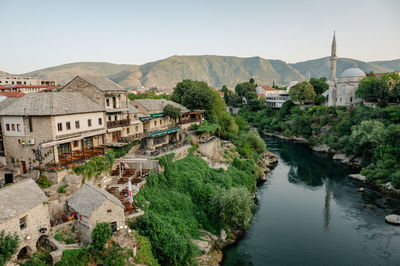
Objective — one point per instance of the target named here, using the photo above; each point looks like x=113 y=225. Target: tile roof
x=19 y=198
x=6 y=102
x=102 y=83
x=267 y=88
x=12 y=94
x=16 y=86
x=52 y=103
x=153 y=105
x=89 y=198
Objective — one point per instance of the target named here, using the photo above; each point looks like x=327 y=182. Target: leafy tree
x=172 y=111
x=302 y=92
x=241 y=122
x=373 y=89
x=285 y=109
x=234 y=100
x=8 y=246
x=319 y=85
x=78 y=257
x=243 y=88
x=229 y=128
x=148 y=94
x=233 y=207
x=100 y=235
x=319 y=99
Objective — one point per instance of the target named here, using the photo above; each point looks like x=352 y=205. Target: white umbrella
x=130 y=198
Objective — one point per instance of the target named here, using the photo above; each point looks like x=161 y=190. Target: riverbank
x=334 y=224
x=349 y=161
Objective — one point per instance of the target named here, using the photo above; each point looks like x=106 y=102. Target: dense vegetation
x=148 y=94
x=372 y=134
x=185 y=198
x=8 y=246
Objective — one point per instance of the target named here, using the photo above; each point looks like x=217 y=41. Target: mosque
x=342 y=89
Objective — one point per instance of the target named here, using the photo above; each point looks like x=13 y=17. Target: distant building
x=7 y=79
x=27 y=88
x=92 y=205
x=12 y=94
x=23 y=210
x=275 y=98
x=342 y=89
x=264 y=90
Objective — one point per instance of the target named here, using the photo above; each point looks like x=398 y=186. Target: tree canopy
x=302 y=92
x=172 y=111
x=319 y=85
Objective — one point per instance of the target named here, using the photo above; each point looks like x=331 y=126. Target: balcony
x=118 y=123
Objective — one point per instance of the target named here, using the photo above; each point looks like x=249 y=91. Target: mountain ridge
x=213 y=69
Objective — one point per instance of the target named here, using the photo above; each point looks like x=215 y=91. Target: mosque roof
x=352 y=72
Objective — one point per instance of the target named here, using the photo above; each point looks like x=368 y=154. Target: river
x=310 y=213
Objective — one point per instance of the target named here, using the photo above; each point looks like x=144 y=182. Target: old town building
x=23 y=210
x=121 y=124
x=58 y=127
x=8 y=79
x=91 y=205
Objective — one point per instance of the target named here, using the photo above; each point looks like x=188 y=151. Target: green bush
x=62 y=189
x=43 y=182
x=38 y=259
x=76 y=257
x=144 y=254
x=8 y=246
x=100 y=235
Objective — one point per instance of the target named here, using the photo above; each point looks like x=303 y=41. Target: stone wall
x=36 y=218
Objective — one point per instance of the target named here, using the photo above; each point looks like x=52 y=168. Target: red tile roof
x=267 y=88
x=12 y=94
x=16 y=86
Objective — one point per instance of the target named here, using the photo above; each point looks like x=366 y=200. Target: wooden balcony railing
x=118 y=123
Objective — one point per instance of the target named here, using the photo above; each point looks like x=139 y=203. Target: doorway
x=23 y=166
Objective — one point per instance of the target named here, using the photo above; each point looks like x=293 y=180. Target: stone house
x=63 y=127
x=24 y=211
x=92 y=205
x=121 y=123
x=160 y=129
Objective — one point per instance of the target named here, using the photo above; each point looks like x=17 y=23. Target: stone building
x=160 y=129
x=121 y=124
x=26 y=88
x=62 y=126
x=342 y=89
x=23 y=210
x=91 y=205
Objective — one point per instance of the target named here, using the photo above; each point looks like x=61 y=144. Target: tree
x=319 y=100
x=302 y=92
x=172 y=111
x=319 y=85
x=8 y=246
x=242 y=88
x=285 y=109
x=100 y=235
x=229 y=128
x=233 y=207
x=234 y=100
x=226 y=92
x=373 y=89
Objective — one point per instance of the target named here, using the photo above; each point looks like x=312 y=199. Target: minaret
x=333 y=59
x=332 y=78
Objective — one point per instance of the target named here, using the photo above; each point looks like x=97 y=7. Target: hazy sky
x=38 y=34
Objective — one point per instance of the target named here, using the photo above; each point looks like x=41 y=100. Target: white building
x=7 y=79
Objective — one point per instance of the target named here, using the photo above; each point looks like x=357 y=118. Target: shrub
x=100 y=234
x=144 y=254
x=76 y=257
x=233 y=207
x=62 y=189
x=43 y=182
x=38 y=259
x=8 y=246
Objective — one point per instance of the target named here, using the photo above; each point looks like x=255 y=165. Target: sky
x=39 y=34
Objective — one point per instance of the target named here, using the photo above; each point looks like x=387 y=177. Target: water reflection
x=310 y=213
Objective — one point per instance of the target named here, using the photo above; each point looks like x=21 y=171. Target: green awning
x=145 y=118
x=164 y=132
x=157 y=115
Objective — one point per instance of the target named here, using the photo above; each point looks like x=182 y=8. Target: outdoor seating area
x=77 y=157
x=165 y=148
x=120 y=189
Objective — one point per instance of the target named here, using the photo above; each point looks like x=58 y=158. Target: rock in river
x=358 y=177
x=393 y=219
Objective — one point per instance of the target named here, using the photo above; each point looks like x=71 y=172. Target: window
x=109 y=211
x=135 y=116
x=160 y=122
x=351 y=99
x=68 y=125
x=13 y=127
x=64 y=148
x=76 y=143
x=136 y=128
x=89 y=122
x=8 y=127
x=59 y=126
x=155 y=123
x=127 y=130
x=108 y=102
x=100 y=122
x=109 y=118
x=77 y=124
x=115 y=117
x=88 y=143
x=30 y=124
x=18 y=127
x=22 y=223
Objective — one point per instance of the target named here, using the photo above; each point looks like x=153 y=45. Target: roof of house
x=152 y=105
x=16 y=86
x=12 y=94
x=89 y=198
x=267 y=88
x=19 y=198
x=6 y=102
x=133 y=109
x=102 y=83
x=52 y=103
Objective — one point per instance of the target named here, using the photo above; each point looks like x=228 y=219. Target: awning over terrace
x=164 y=132
x=145 y=118
x=157 y=115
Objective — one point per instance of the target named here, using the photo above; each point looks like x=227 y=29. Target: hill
x=215 y=70
x=64 y=73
